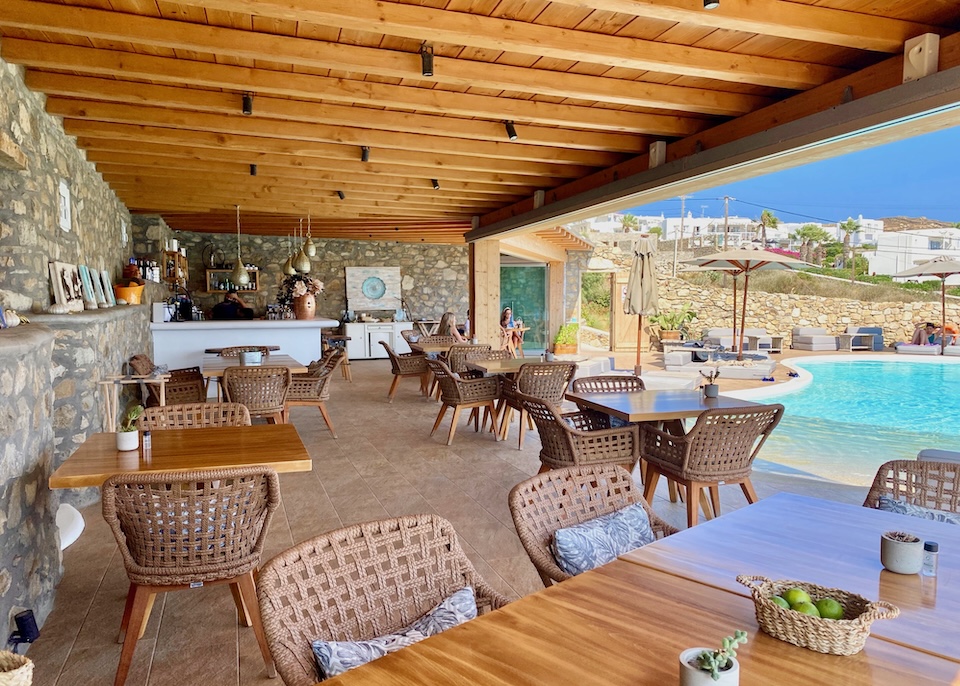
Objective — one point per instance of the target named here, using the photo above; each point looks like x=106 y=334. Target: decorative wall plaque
x=373 y=288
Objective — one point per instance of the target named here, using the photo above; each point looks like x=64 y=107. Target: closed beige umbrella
x=641 y=297
x=940 y=267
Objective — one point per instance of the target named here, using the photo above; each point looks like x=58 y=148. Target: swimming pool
x=858 y=412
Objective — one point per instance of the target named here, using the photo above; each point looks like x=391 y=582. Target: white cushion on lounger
x=912 y=349
x=934 y=455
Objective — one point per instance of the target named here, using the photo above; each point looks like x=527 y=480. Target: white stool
x=70 y=523
x=934 y=455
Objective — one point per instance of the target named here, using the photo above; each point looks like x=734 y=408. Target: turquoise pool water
x=857 y=415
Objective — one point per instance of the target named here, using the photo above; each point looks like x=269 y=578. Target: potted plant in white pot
x=705 y=667
x=901 y=552
x=673 y=323
x=128 y=435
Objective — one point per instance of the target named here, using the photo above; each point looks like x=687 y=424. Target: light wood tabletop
x=434 y=347
x=212 y=366
x=646 y=406
x=831 y=544
x=274 y=445
x=509 y=366
x=627 y=624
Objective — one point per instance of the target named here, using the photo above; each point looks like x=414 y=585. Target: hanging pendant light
x=309 y=247
x=288 y=265
x=239 y=274
x=301 y=262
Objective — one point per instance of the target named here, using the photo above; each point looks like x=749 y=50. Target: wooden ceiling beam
x=492 y=33
x=212 y=102
x=143 y=201
x=790 y=20
x=96 y=24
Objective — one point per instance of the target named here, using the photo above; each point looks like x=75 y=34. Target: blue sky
x=916 y=177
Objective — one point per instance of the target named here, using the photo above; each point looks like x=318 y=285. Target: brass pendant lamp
x=239 y=274
x=301 y=262
x=309 y=247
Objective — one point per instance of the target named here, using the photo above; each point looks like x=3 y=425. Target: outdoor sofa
x=812 y=338
x=725 y=338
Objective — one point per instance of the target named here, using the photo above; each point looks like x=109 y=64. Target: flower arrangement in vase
x=710 y=389
x=299 y=292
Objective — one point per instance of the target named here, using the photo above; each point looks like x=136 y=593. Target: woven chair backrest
x=477 y=355
x=608 y=384
x=723 y=443
x=449 y=389
x=410 y=335
x=176 y=528
x=554 y=431
x=919 y=482
x=262 y=389
x=437 y=340
x=546 y=380
x=357 y=583
x=194 y=416
x=457 y=356
x=234 y=351
x=141 y=365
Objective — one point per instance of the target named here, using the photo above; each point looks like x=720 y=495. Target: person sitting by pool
x=925 y=334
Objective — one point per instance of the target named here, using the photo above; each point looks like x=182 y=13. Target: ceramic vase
x=691 y=675
x=128 y=440
x=305 y=307
x=711 y=390
x=899 y=556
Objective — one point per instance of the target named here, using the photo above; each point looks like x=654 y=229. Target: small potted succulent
x=710 y=389
x=128 y=435
x=704 y=667
x=901 y=552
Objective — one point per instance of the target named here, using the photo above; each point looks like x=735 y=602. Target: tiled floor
x=384 y=464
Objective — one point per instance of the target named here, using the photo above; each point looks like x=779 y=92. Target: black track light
x=364 y=153
x=253 y=170
x=248 y=104
x=711 y=4
x=511 y=130
x=426 y=59
x=436 y=184
x=341 y=195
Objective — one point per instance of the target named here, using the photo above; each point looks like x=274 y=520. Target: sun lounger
x=911 y=349
x=934 y=455
x=952 y=350
x=812 y=338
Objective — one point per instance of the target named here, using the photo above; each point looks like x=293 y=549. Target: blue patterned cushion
x=336 y=657
x=900 y=507
x=598 y=541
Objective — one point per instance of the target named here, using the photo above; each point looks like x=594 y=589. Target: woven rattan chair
x=457 y=359
x=460 y=393
x=404 y=365
x=184 y=386
x=180 y=529
x=358 y=583
x=235 y=350
x=566 y=497
x=607 y=384
x=476 y=355
x=262 y=389
x=410 y=335
x=194 y=416
x=313 y=388
x=544 y=380
x=719 y=448
x=925 y=483
x=437 y=340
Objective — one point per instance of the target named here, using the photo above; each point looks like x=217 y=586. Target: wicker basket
x=15 y=670
x=834 y=636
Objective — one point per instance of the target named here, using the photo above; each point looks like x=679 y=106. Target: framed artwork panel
x=98 y=289
x=86 y=285
x=107 y=288
x=67 y=287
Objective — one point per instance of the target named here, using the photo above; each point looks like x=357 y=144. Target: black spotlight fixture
x=248 y=104
x=364 y=153
x=511 y=130
x=426 y=59
x=341 y=195
x=436 y=184
x=711 y=4
x=253 y=170
x=27 y=631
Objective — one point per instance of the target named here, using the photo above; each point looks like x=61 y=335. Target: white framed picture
x=64 y=214
x=67 y=286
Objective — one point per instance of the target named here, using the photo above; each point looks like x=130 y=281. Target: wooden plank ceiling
x=153 y=92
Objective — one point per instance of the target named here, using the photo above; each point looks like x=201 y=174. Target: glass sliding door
x=524 y=290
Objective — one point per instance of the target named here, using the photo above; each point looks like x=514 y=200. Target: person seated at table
x=509 y=327
x=448 y=327
x=232 y=307
x=465 y=329
x=925 y=334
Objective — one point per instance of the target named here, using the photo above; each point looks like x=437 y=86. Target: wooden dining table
x=434 y=347
x=212 y=366
x=509 y=366
x=647 y=406
x=273 y=445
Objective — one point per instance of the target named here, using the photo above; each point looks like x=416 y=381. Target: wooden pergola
x=446 y=121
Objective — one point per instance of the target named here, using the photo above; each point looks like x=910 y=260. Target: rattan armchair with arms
x=561 y=498
x=607 y=384
x=476 y=355
x=358 y=583
x=460 y=393
x=179 y=530
x=262 y=389
x=183 y=386
x=313 y=387
x=580 y=438
x=404 y=365
x=719 y=448
x=194 y=416
x=410 y=335
x=918 y=482
x=437 y=340
x=544 y=380
x=457 y=358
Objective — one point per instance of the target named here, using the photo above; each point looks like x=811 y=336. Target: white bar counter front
x=181 y=344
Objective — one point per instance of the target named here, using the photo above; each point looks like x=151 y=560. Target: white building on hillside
x=901 y=250
x=708 y=231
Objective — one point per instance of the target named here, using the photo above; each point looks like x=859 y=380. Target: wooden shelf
x=215 y=277
x=174 y=268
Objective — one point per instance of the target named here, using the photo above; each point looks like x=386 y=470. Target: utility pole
x=726 y=221
x=678 y=238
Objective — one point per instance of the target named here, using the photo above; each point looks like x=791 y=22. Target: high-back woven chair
x=607 y=384
x=475 y=354
x=313 y=387
x=719 y=448
x=177 y=530
x=235 y=350
x=457 y=358
x=183 y=386
x=194 y=416
x=361 y=582
x=544 y=380
x=404 y=365
x=437 y=340
x=410 y=335
x=580 y=438
x=562 y=498
x=925 y=483
x=262 y=389
x=460 y=393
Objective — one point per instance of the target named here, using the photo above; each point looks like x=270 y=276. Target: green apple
x=781 y=602
x=795 y=596
x=807 y=609
x=829 y=608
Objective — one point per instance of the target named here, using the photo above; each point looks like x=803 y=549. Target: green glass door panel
x=524 y=290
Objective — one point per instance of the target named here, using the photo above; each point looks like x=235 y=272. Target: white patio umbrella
x=940 y=267
x=746 y=261
x=641 y=297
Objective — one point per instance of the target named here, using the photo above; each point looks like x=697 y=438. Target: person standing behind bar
x=232 y=307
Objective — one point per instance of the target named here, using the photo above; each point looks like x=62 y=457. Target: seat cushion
x=598 y=541
x=911 y=349
x=930 y=455
x=889 y=504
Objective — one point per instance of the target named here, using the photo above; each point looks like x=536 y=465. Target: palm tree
x=810 y=236
x=629 y=222
x=767 y=218
x=849 y=228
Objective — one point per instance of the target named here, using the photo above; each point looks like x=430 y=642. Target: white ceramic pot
x=711 y=390
x=901 y=557
x=251 y=358
x=128 y=440
x=691 y=675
